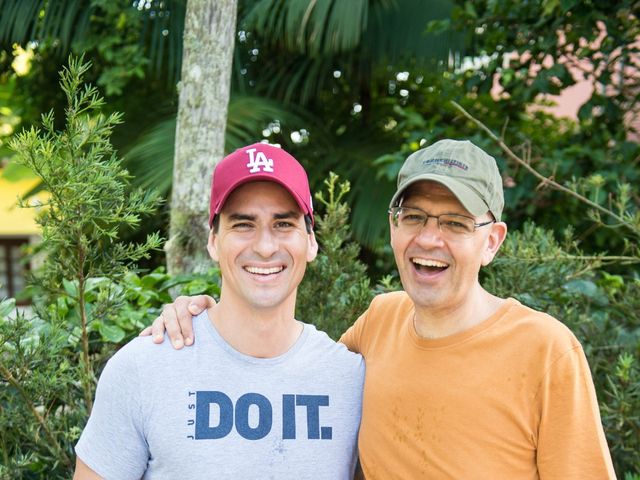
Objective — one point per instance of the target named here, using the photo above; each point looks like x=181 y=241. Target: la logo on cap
x=258 y=162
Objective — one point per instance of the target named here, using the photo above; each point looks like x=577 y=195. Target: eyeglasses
x=411 y=220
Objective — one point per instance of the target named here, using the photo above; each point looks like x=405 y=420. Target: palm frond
x=313 y=27
x=22 y=21
x=351 y=156
x=249 y=115
x=397 y=31
x=66 y=22
x=303 y=42
x=298 y=79
x=381 y=29
x=150 y=159
x=162 y=31
x=17 y=19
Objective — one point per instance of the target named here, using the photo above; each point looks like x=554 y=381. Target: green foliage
x=107 y=31
x=339 y=65
x=89 y=201
x=336 y=288
x=246 y=115
x=540 y=48
x=549 y=45
x=316 y=40
x=42 y=402
x=37 y=380
x=114 y=36
x=621 y=410
x=349 y=54
x=134 y=301
x=48 y=362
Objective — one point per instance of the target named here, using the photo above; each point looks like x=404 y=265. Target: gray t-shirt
x=210 y=412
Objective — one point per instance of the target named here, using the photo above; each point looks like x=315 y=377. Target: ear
x=493 y=242
x=312 y=251
x=212 y=247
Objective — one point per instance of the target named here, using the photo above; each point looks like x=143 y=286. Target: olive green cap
x=468 y=171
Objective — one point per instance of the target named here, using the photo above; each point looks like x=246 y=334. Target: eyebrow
x=285 y=215
x=445 y=213
x=276 y=216
x=241 y=216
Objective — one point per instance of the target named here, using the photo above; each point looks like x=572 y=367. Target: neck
x=260 y=333
x=478 y=306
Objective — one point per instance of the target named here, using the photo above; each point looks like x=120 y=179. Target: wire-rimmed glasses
x=411 y=220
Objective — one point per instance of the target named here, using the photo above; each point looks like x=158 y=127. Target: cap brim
x=469 y=199
x=260 y=178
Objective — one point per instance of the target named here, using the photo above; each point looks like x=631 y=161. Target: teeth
x=264 y=271
x=429 y=263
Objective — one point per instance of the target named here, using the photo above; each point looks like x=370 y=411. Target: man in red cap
x=261 y=394
x=460 y=383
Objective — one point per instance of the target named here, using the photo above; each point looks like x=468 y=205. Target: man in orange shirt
x=460 y=383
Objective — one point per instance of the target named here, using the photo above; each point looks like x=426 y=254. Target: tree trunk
x=209 y=34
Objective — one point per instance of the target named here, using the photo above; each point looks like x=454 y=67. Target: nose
x=430 y=234
x=266 y=243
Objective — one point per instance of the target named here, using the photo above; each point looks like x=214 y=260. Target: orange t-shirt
x=510 y=398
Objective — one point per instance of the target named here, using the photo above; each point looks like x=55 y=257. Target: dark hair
x=308 y=224
x=215 y=225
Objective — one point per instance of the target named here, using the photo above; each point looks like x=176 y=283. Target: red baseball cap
x=259 y=162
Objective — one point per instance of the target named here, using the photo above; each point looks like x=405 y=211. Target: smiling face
x=438 y=273
x=262 y=247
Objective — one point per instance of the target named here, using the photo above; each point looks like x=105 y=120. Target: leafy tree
x=50 y=365
x=338 y=304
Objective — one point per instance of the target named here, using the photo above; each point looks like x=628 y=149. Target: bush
x=42 y=403
x=345 y=290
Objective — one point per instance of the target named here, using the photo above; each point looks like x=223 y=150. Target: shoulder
x=540 y=329
x=331 y=352
x=128 y=361
x=393 y=303
x=141 y=354
x=386 y=311
x=141 y=348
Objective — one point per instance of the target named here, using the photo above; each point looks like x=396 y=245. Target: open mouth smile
x=264 y=270
x=429 y=265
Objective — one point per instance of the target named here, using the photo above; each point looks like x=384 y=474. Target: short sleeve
x=113 y=442
x=571 y=441
x=353 y=336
